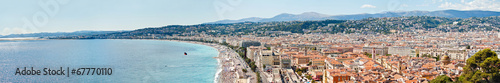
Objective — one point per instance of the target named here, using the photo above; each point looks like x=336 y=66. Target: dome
x=445 y=59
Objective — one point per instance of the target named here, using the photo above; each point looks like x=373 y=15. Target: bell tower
x=373 y=54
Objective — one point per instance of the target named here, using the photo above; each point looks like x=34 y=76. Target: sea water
x=130 y=60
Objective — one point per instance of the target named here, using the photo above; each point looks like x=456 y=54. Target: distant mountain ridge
x=317 y=16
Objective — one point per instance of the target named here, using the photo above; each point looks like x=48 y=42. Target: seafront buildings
x=402 y=56
x=409 y=57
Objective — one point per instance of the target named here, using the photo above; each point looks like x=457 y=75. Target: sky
x=33 y=16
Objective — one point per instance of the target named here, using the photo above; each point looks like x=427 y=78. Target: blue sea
x=130 y=60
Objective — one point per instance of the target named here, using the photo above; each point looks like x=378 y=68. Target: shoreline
x=224 y=61
x=230 y=64
x=215 y=46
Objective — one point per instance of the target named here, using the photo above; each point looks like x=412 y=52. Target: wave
x=219 y=70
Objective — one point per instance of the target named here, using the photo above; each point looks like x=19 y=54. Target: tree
x=241 y=54
x=368 y=54
x=468 y=47
x=258 y=77
x=441 y=79
x=456 y=80
x=247 y=60
x=482 y=67
x=417 y=55
x=300 y=73
x=244 y=70
x=224 y=43
x=253 y=66
x=437 y=58
x=309 y=77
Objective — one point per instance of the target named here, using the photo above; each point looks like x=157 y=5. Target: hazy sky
x=28 y=16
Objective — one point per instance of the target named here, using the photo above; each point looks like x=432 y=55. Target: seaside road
x=229 y=55
x=250 y=73
x=263 y=76
x=243 y=65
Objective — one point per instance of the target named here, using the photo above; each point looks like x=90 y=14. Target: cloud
x=491 y=5
x=368 y=6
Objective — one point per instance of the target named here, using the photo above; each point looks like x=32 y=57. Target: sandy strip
x=226 y=60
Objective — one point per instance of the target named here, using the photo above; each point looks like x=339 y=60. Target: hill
x=317 y=16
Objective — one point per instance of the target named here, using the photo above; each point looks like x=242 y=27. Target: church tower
x=373 y=54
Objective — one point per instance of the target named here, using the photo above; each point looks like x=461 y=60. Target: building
x=336 y=75
x=318 y=65
x=267 y=57
x=378 y=50
x=453 y=53
x=286 y=61
x=457 y=54
x=431 y=52
x=402 y=51
x=332 y=63
x=249 y=43
x=342 y=49
x=252 y=51
x=276 y=59
x=301 y=60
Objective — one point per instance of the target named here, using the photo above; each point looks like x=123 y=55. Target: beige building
x=286 y=61
x=378 y=50
x=457 y=54
x=402 y=51
x=318 y=65
x=267 y=57
x=252 y=51
x=454 y=54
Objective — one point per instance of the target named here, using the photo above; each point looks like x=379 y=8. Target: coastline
x=219 y=58
x=223 y=61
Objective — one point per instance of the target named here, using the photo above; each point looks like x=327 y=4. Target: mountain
x=317 y=16
x=291 y=17
x=280 y=17
x=58 y=34
x=251 y=19
x=442 y=13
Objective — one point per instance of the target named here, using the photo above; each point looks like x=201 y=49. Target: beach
x=230 y=64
